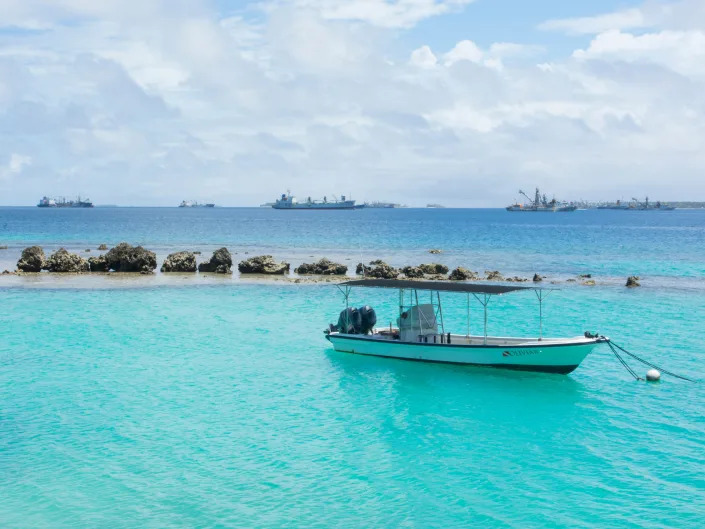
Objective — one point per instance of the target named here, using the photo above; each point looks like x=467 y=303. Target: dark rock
x=197 y=252
x=537 y=278
x=87 y=250
x=571 y=280
x=517 y=279
x=127 y=258
x=103 y=247
x=32 y=259
x=434 y=268
x=633 y=281
x=179 y=262
x=493 y=275
x=585 y=276
x=378 y=270
x=412 y=272
x=323 y=267
x=435 y=251
x=3 y=247
x=7 y=273
x=221 y=262
x=462 y=274
x=98 y=264
x=263 y=264
x=64 y=262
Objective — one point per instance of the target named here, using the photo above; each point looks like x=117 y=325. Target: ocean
x=180 y=401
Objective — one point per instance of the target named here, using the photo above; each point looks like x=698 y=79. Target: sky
x=457 y=102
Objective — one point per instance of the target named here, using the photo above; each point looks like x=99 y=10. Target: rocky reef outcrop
x=103 y=247
x=32 y=259
x=98 y=264
x=221 y=262
x=433 y=268
x=412 y=272
x=462 y=274
x=435 y=251
x=179 y=262
x=63 y=261
x=263 y=264
x=633 y=281
x=324 y=267
x=127 y=258
x=378 y=269
x=493 y=275
x=537 y=278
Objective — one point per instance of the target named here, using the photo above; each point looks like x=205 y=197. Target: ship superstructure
x=288 y=201
x=541 y=204
x=47 y=202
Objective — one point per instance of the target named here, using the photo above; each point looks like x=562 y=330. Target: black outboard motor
x=368 y=319
x=349 y=321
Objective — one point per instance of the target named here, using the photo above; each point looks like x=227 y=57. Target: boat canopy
x=438 y=286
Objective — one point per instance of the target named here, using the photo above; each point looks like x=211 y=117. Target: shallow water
x=223 y=405
x=201 y=401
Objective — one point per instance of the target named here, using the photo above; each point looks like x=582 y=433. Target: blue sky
x=460 y=102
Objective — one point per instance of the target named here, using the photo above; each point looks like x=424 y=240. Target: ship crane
x=527 y=196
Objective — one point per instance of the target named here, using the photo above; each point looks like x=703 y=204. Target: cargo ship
x=541 y=204
x=194 y=204
x=382 y=205
x=288 y=201
x=47 y=202
x=635 y=205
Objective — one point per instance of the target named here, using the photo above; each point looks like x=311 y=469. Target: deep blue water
x=187 y=402
x=662 y=244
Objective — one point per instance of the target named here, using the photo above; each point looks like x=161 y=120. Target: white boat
x=420 y=333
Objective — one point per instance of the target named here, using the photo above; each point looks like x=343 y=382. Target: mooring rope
x=621 y=360
x=613 y=347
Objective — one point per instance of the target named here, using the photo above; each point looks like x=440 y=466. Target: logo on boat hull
x=521 y=352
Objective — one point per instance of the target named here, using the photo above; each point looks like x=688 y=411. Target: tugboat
x=287 y=201
x=542 y=204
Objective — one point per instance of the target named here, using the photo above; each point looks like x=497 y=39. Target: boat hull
x=561 y=358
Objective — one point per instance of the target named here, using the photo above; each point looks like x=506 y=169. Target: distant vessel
x=439 y=206
x=47 y=202
x=194 y=204
x=287 y=201
x=635 y=205
x=541 y=204
x=383 y=205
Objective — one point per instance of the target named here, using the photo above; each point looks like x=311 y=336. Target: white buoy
x=652 y=375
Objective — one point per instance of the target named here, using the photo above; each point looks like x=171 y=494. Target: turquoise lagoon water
x=183 y=404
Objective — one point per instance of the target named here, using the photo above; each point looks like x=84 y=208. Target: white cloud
x=423 y=57
x=465 y=50
x=14 y=166
x=680 y=51
x=383 y=13
x=627 y=19
x=169 y=101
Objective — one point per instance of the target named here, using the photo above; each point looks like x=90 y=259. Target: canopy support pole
x=468 y=321
x=541 y=295
x=484 y=302
x=440 y=311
